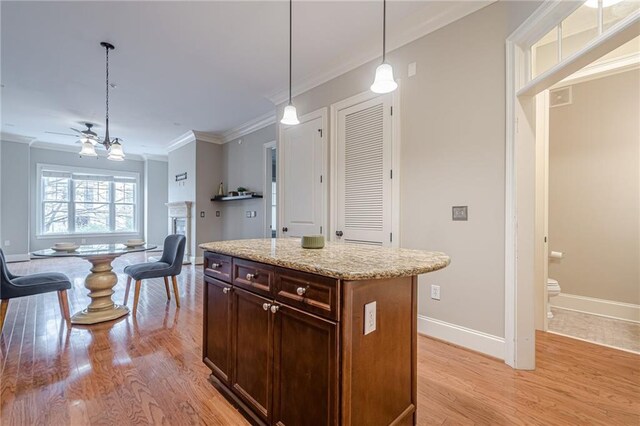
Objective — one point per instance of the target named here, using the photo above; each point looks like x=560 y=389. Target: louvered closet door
x=363 y=171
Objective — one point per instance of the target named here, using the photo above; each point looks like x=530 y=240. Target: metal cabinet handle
x=225 y=290
x=301 y=290
x=274 y=308
x=266 y=306
x=339 y=233
x=250 y=276
x=215 y=265
x=285 y=229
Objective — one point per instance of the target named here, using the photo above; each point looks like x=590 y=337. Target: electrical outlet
x=369 y=318
x=7 y=243
x=435 y=292
x=247 y=213
x=254 y=213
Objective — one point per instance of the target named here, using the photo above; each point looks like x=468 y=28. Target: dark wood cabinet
x=217 y=328
x=252 y=352
x=305 y=383
x=289 y=348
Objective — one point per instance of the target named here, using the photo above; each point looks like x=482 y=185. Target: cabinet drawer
x=253 y=276
x=217 y=266
x=309 y=292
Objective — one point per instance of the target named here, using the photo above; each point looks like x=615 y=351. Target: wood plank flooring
x=148 y=369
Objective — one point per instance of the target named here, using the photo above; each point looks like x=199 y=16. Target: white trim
x=192 y=136
x=430 y=23
x=478 y=341
x=17 y=257
x=395 y=158
x=602 y=69
x=266 y=186
x=249 y=127
x=12 y=137
x=155 y=157
x=601 y=307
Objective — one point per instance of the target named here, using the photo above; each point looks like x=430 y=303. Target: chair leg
x=136 y=296
x=166 y=287
x=126 y=290
x=3 y=311
x=64 y=304
x=175 y=290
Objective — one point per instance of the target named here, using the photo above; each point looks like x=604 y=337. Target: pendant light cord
x=107 y=87
x=384 y=29
x=290 y=44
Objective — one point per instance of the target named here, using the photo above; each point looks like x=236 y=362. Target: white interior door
x=302 y=195
x=364 y=173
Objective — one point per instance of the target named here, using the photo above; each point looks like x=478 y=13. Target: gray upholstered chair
x=12 y=286
x=169 y=265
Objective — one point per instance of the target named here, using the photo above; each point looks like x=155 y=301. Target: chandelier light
x=383 y=81
x=290 y=115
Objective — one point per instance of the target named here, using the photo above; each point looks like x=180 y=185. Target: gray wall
x=14 y=197
x=209 y=174
x=243 y=166
x=452 y=153
x=48 y=156
x=156 y=196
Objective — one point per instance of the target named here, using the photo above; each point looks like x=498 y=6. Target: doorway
x=270 y=190
x=523 y=235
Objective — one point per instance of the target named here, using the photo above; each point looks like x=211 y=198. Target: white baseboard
x=601 y=307
x=17 y=257
x=471 y=339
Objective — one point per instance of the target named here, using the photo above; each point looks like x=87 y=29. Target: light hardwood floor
x=148 y=370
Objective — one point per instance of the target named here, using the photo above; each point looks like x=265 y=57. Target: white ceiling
x=179 y=66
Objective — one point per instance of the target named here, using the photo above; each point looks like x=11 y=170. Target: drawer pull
x=301 y=290
x=251 y=276
x=225 y=290
x=215 y=265
x=274 y=308
x=266 y=306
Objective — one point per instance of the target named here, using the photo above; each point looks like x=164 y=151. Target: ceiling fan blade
x=60 y=134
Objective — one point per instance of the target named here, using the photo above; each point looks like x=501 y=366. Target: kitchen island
x=326 y=336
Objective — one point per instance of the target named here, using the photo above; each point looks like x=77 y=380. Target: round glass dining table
x=100 y=281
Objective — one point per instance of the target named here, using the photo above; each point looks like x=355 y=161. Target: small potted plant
x=242 y=190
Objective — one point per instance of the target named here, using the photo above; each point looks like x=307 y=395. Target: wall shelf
x=235 y=197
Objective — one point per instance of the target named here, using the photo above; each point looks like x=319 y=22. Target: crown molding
x=192 y=136
x=250 y=126
x=155 y=157
x=12 y=137
x=432 y=22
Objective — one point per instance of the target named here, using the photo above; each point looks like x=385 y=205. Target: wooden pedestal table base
x=100 y=283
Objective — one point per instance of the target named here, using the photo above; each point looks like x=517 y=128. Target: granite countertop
x=344 y=261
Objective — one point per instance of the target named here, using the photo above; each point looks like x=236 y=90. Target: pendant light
x=114 y=148
x=383 y=81
x=290 y=115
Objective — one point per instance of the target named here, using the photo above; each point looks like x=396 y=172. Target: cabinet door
x=305 y=383
x=217 y=328
x=252 y=353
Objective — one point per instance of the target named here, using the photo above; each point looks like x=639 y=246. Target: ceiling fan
x=88 y=134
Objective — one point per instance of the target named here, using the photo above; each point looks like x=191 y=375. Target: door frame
x=520 y=150
x=266 y=187
x=335 y=108
x=319 y=113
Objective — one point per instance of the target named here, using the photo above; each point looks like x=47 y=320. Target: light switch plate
x=411 y=69
x=459 y=213
x=370 y=318
x=217 y=213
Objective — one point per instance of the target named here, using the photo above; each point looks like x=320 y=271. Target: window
x=78 y=201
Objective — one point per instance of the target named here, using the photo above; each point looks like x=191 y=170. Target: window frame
x=137 y=208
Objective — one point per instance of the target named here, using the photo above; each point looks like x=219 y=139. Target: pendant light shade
x=290 y=115
x=115 y=152
x=88 y=150
x=383 y=81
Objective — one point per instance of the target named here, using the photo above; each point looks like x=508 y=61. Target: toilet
x=553 y=289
